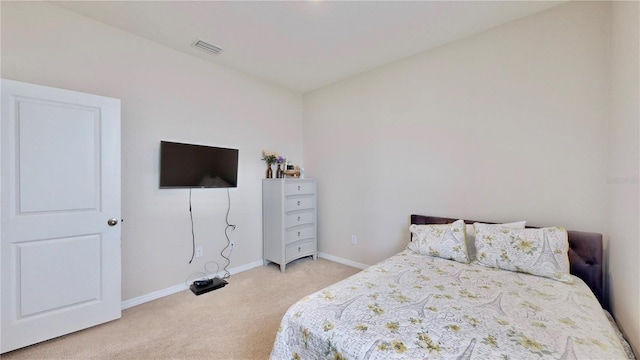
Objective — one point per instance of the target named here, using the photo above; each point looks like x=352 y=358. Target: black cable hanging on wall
x=230 y=245
x=193 y=235
x=227 y=274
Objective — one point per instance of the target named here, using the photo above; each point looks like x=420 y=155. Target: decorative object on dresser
x=292 y=171
x=289 y=215
x=282 y=164
x=271 y=157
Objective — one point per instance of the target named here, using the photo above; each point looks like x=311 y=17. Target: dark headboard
x=585 y=253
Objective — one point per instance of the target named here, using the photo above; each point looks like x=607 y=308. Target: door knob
x=112 y=222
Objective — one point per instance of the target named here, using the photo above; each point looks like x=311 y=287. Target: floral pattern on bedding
x=414 y=306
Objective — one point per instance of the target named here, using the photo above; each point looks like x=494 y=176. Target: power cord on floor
x=209 y=272
x=192 y=277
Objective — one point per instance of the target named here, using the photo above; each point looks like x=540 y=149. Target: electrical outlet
x=199 y=251
x=354 y=239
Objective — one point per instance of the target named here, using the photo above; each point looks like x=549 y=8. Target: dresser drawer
x=299 y=188
x=299 y=219
x=300 y=234
x=300 y=249
x=299 y=203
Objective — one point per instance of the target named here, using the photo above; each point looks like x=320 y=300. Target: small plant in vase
x=271 y=157
x=280 y=170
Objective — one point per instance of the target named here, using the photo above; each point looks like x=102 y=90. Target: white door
x=60 y=186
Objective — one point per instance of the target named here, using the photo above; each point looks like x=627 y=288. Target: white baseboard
x=340 y=260
x=181 y=287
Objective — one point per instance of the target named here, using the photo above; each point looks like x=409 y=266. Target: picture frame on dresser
x=289 y=220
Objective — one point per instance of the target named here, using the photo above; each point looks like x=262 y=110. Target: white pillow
x=542 y=252
x=471 y=235
x=446 y=241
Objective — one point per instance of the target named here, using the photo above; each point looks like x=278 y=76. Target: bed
x=439 y=299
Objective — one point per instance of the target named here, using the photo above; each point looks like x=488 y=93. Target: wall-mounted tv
x=197 y=166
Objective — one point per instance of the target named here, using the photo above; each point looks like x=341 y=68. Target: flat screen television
x=197 y=166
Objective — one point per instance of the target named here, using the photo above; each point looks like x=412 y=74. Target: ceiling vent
x=203 y=45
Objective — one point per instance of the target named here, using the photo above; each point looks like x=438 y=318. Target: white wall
x=166 y=95
x=624 y=169
x=506 y=125
x=535 y=120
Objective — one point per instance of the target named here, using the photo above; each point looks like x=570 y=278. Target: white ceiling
x=304 y=45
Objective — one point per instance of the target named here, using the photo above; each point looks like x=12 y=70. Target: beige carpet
x=238 y=321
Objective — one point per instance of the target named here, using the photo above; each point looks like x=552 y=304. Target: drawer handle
x=299 y=188
x=299 y=234
x=298 y=202
x=298 y=218
x=299 y=249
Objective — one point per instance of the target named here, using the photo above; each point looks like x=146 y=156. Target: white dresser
x=289 y=217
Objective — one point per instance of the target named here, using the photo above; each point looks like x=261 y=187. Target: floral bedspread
x=414 y=306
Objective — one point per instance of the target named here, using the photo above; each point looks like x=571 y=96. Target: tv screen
x=197 y=166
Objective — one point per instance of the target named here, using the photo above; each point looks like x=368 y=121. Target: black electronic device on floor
x=200 y=287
